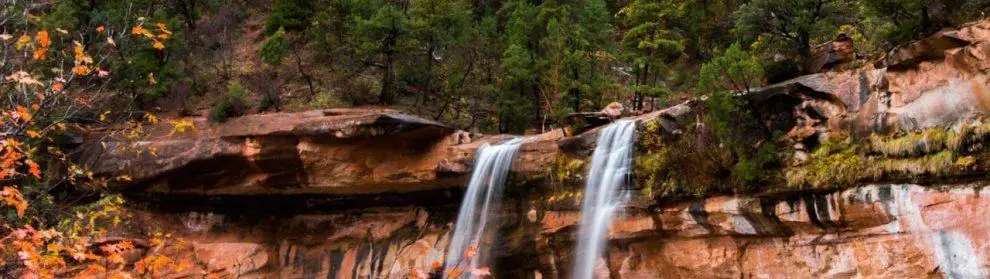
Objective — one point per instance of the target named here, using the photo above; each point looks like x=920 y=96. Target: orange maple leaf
x=163 y=28
x=58 y=86
x=12 y=197
x=39 y=54
x=23 y=114
x=454 y=273
x=80 y=70
x=471 y=252
x=138 y=30
x=33 y=168
x=42 y=39
x=436 y=265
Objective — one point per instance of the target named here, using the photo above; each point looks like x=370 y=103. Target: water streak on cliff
x=610 y=166
x=480 y=202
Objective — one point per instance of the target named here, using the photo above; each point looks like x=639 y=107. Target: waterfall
x=483 y=194
x=610 y=165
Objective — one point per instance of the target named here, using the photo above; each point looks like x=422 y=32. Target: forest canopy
x=485 y=66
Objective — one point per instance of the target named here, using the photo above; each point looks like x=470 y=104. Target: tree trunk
x=804 y=50
x=537 y=112
x=428 y=90
x=388 y=78
x=309 y=79
x=639 y=95
x=385 y=97
x=576 y=92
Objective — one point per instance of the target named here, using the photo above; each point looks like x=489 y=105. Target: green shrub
x=274 y=48
x=292 y=15
x=735 y=71
x=835 y=163
x=783 y=70
x=269 y=101
x=361 y=90
x=230 y=105
x=738 y=131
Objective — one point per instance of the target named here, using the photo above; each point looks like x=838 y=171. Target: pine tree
x=794 y=24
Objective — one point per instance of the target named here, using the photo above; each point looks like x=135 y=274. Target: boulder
x=831 y=54
x=613 y=110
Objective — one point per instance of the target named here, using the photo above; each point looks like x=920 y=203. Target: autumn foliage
x=53 y=80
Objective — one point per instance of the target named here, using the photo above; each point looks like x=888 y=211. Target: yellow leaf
x=80 y=70
x=111 y=41
x=53 y=247
x=32 y=134
x=80 y=54
x=151 y=119
x=151 y=79
x=163 y=28
x=22 y=42
x=138 y=30
x=158 y=45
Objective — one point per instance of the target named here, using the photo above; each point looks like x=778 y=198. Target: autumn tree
x=54 y=79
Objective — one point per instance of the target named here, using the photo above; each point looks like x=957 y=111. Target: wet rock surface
x=875 y=231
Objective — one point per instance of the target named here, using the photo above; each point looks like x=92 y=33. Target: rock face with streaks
x=939 y=81
x=874 y=231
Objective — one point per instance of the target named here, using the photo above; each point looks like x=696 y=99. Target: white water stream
x=611 y=164
x=484 y=192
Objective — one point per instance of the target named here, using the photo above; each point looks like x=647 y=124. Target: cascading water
x=610 y=166
x=483 y=193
